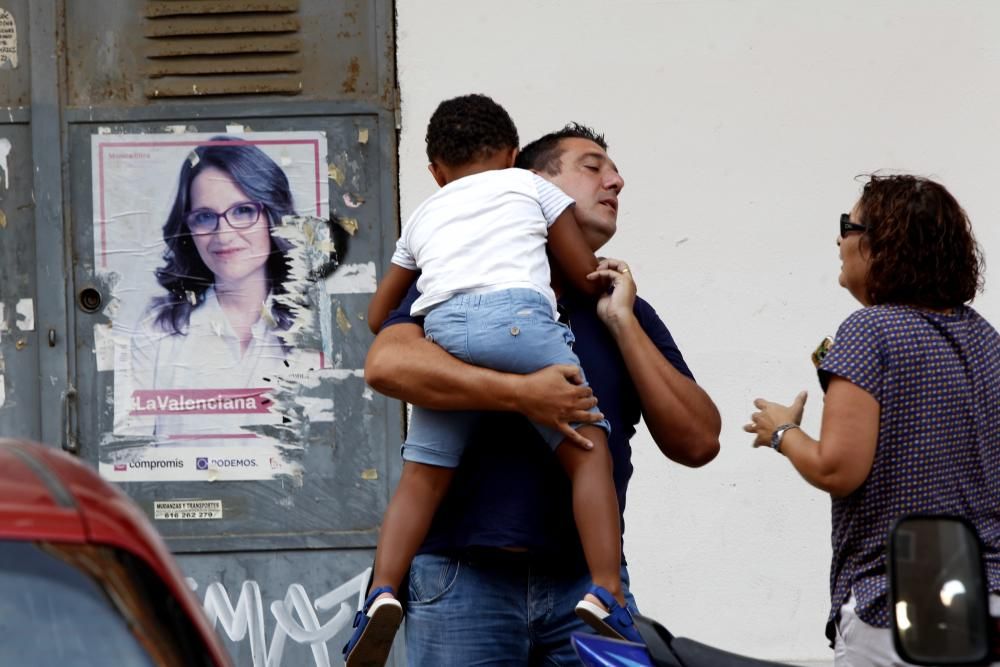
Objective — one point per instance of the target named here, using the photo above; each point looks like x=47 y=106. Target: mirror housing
x=939 y=600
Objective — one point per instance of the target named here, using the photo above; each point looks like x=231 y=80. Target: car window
x=53 y=614
x=85 y=605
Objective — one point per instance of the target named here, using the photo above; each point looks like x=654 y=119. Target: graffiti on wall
x=295 y=617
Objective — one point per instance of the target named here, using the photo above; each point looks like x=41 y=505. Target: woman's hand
x=771 y=415
x=615 y=307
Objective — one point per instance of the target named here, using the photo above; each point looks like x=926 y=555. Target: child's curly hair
x=468 y=128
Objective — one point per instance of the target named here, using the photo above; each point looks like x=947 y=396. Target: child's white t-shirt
x=481 y=233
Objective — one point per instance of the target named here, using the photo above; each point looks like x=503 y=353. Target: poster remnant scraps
x=8 y=40
x=5 y=149
x=217 y=246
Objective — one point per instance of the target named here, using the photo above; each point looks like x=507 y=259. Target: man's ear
x=438 y=173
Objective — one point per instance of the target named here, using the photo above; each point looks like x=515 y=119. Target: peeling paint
x=368 y=394
x=362 y=135
x=104 y=347
x=176 y=129
x=350 y=225
x=5 y=149
x=342 y=322
x=3 y=391
x=335 y=373
x=235 y=129
x=104 y=130
x=316 y=408
x=3 y=320
x=369 y=474
x=352 y=279
x=109 y=284
x=335 y=174
x=312 y=256
x=353 y=201
x=25 y=309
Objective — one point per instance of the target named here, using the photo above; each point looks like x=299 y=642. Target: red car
x=84 y=578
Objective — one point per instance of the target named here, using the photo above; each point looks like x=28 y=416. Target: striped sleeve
x=552 y=200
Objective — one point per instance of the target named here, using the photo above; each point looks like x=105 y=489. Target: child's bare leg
x=595 y=508
x=407 y=520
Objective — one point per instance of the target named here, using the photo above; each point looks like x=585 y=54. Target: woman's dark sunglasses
x=846 y=226
x=240 y=216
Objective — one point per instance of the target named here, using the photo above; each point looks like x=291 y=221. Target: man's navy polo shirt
x=510 y=490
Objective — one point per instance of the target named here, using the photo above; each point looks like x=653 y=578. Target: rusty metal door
x=269 y=489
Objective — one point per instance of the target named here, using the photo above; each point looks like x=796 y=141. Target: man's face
x=589 y=176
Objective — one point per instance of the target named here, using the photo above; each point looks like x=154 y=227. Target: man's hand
x=554 y=397
x=615 y=307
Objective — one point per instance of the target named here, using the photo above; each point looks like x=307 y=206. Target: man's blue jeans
x=496 y=608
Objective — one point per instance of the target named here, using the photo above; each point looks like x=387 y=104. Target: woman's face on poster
x=233 y=255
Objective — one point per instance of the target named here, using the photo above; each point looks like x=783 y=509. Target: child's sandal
x=375 y=627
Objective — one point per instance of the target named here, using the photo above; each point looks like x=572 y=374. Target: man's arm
x=402 y=364
x=682 y=419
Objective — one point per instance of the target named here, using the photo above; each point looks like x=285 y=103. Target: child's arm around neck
x=569 y=250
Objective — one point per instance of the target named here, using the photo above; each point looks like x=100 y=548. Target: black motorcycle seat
x=696 y=654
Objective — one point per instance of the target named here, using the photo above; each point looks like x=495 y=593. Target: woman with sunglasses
x=911 y=416
x=220 y=325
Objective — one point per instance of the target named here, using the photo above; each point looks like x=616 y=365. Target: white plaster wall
x=739 y=127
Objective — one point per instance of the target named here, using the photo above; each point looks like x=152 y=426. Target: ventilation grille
x=222 y=47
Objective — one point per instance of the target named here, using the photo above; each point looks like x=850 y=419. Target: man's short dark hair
x=468 y=128
x=544 y=154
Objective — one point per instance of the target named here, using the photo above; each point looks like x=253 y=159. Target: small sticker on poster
x=164 y=510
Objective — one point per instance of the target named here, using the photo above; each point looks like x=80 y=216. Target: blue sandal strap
x=619 y=617
x=374 y=594
x=605 y=596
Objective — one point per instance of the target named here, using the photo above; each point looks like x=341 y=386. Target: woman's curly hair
x=922 y=249
x=468 y=128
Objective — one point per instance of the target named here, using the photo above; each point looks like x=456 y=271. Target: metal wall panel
x=19 y=340
x=283 y=608
x=289 y=554
x=15 y=79
x=345 y=46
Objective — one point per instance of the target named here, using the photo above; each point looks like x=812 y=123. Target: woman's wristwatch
x=778 y=434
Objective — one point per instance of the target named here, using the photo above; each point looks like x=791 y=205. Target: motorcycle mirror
x=937 y=588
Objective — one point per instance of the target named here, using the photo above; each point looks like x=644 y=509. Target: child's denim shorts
x=509 y=330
